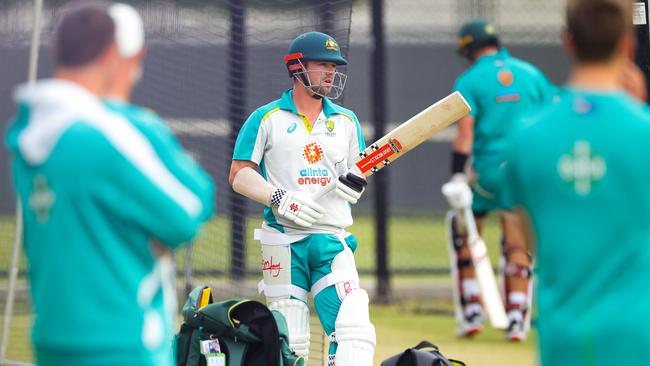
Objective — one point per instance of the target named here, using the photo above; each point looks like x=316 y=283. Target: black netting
x=204 y=80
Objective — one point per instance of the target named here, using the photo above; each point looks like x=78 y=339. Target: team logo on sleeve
x=312 y=153
x=582 y=168
x=41 y=199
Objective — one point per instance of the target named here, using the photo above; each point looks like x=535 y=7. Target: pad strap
x=281 y=290
x=268 y=237
x=464 y=263
x=515 y=270
x=334 y=278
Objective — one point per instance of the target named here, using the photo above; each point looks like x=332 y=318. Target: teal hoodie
x=98 y=184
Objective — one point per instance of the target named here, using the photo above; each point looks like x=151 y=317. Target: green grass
x=402 y=326
x=398 y=327
x=414 y=242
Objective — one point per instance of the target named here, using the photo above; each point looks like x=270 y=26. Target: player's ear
x=627 y=45
x=142 y=54
x=110 y=55
x=568 y=42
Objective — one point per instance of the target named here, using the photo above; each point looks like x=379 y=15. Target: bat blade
x=407 y=136
x=490 y=294
x=412 y=133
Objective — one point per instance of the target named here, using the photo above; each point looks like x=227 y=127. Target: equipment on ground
x=242 y=332
x=419 y=356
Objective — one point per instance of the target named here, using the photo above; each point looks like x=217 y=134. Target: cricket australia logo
x=41 y=199
x=312 y=153
x=330 y=125
x=331 y=44
x=582 y=168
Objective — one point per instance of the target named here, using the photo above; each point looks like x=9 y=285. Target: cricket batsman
x=498 y=87
x=286 y=152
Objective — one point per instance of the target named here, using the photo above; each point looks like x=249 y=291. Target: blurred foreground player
x=577 y=174
x=95 y=193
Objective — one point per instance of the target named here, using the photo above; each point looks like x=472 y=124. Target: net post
x=14 y=270
x=381 y=180
x=236 y=116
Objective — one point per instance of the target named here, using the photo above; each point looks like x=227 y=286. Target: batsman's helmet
x=476 y=34
x=315 y=46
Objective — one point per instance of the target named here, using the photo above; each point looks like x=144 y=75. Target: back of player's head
x=86 y=28
x=596 y=27
x=476 y=34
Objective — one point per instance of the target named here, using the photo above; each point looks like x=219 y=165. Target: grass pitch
x=414 y=242
x=402 y=326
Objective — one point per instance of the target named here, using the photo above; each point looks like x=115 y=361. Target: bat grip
x=470 y=224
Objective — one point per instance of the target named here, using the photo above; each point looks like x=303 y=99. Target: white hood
x=54 y=105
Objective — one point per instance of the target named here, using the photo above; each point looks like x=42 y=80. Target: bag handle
x=426 y=344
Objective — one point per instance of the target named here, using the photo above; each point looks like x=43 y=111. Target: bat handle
x=325 y=190
x=470 y=223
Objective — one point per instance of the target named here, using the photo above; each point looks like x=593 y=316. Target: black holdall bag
x=418 y=356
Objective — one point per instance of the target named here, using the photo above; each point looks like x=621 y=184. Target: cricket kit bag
x=424 y=354
x=235 y=332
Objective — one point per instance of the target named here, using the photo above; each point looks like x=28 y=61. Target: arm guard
x=251 y=184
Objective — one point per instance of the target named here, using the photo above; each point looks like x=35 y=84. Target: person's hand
x=457 y=192
x=297 y=207
x=350 y=187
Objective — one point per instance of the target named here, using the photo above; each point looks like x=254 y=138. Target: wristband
x=458 y=162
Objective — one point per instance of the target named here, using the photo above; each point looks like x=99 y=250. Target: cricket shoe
x=473 y=322
x=516 y=331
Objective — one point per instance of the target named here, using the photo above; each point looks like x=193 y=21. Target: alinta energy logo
x=313 y=153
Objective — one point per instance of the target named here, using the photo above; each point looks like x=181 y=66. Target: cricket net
x=209 y=64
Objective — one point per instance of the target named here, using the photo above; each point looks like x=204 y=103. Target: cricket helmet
x=316 y=46
x=476 y=34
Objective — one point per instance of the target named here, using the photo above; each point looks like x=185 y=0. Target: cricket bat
x=408 y=135
x=490 y=294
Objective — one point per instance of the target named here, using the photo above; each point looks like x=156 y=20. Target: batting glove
x=297 y=207
x=350 y=187
x=457 y=192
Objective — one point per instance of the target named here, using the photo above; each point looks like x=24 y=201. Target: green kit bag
x=248 y=333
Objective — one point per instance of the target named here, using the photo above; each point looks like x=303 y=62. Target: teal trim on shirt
x=247 y=136
x=248 y=133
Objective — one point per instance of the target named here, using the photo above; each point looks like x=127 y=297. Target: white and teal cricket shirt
x=295 y=155
x=97 y=185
